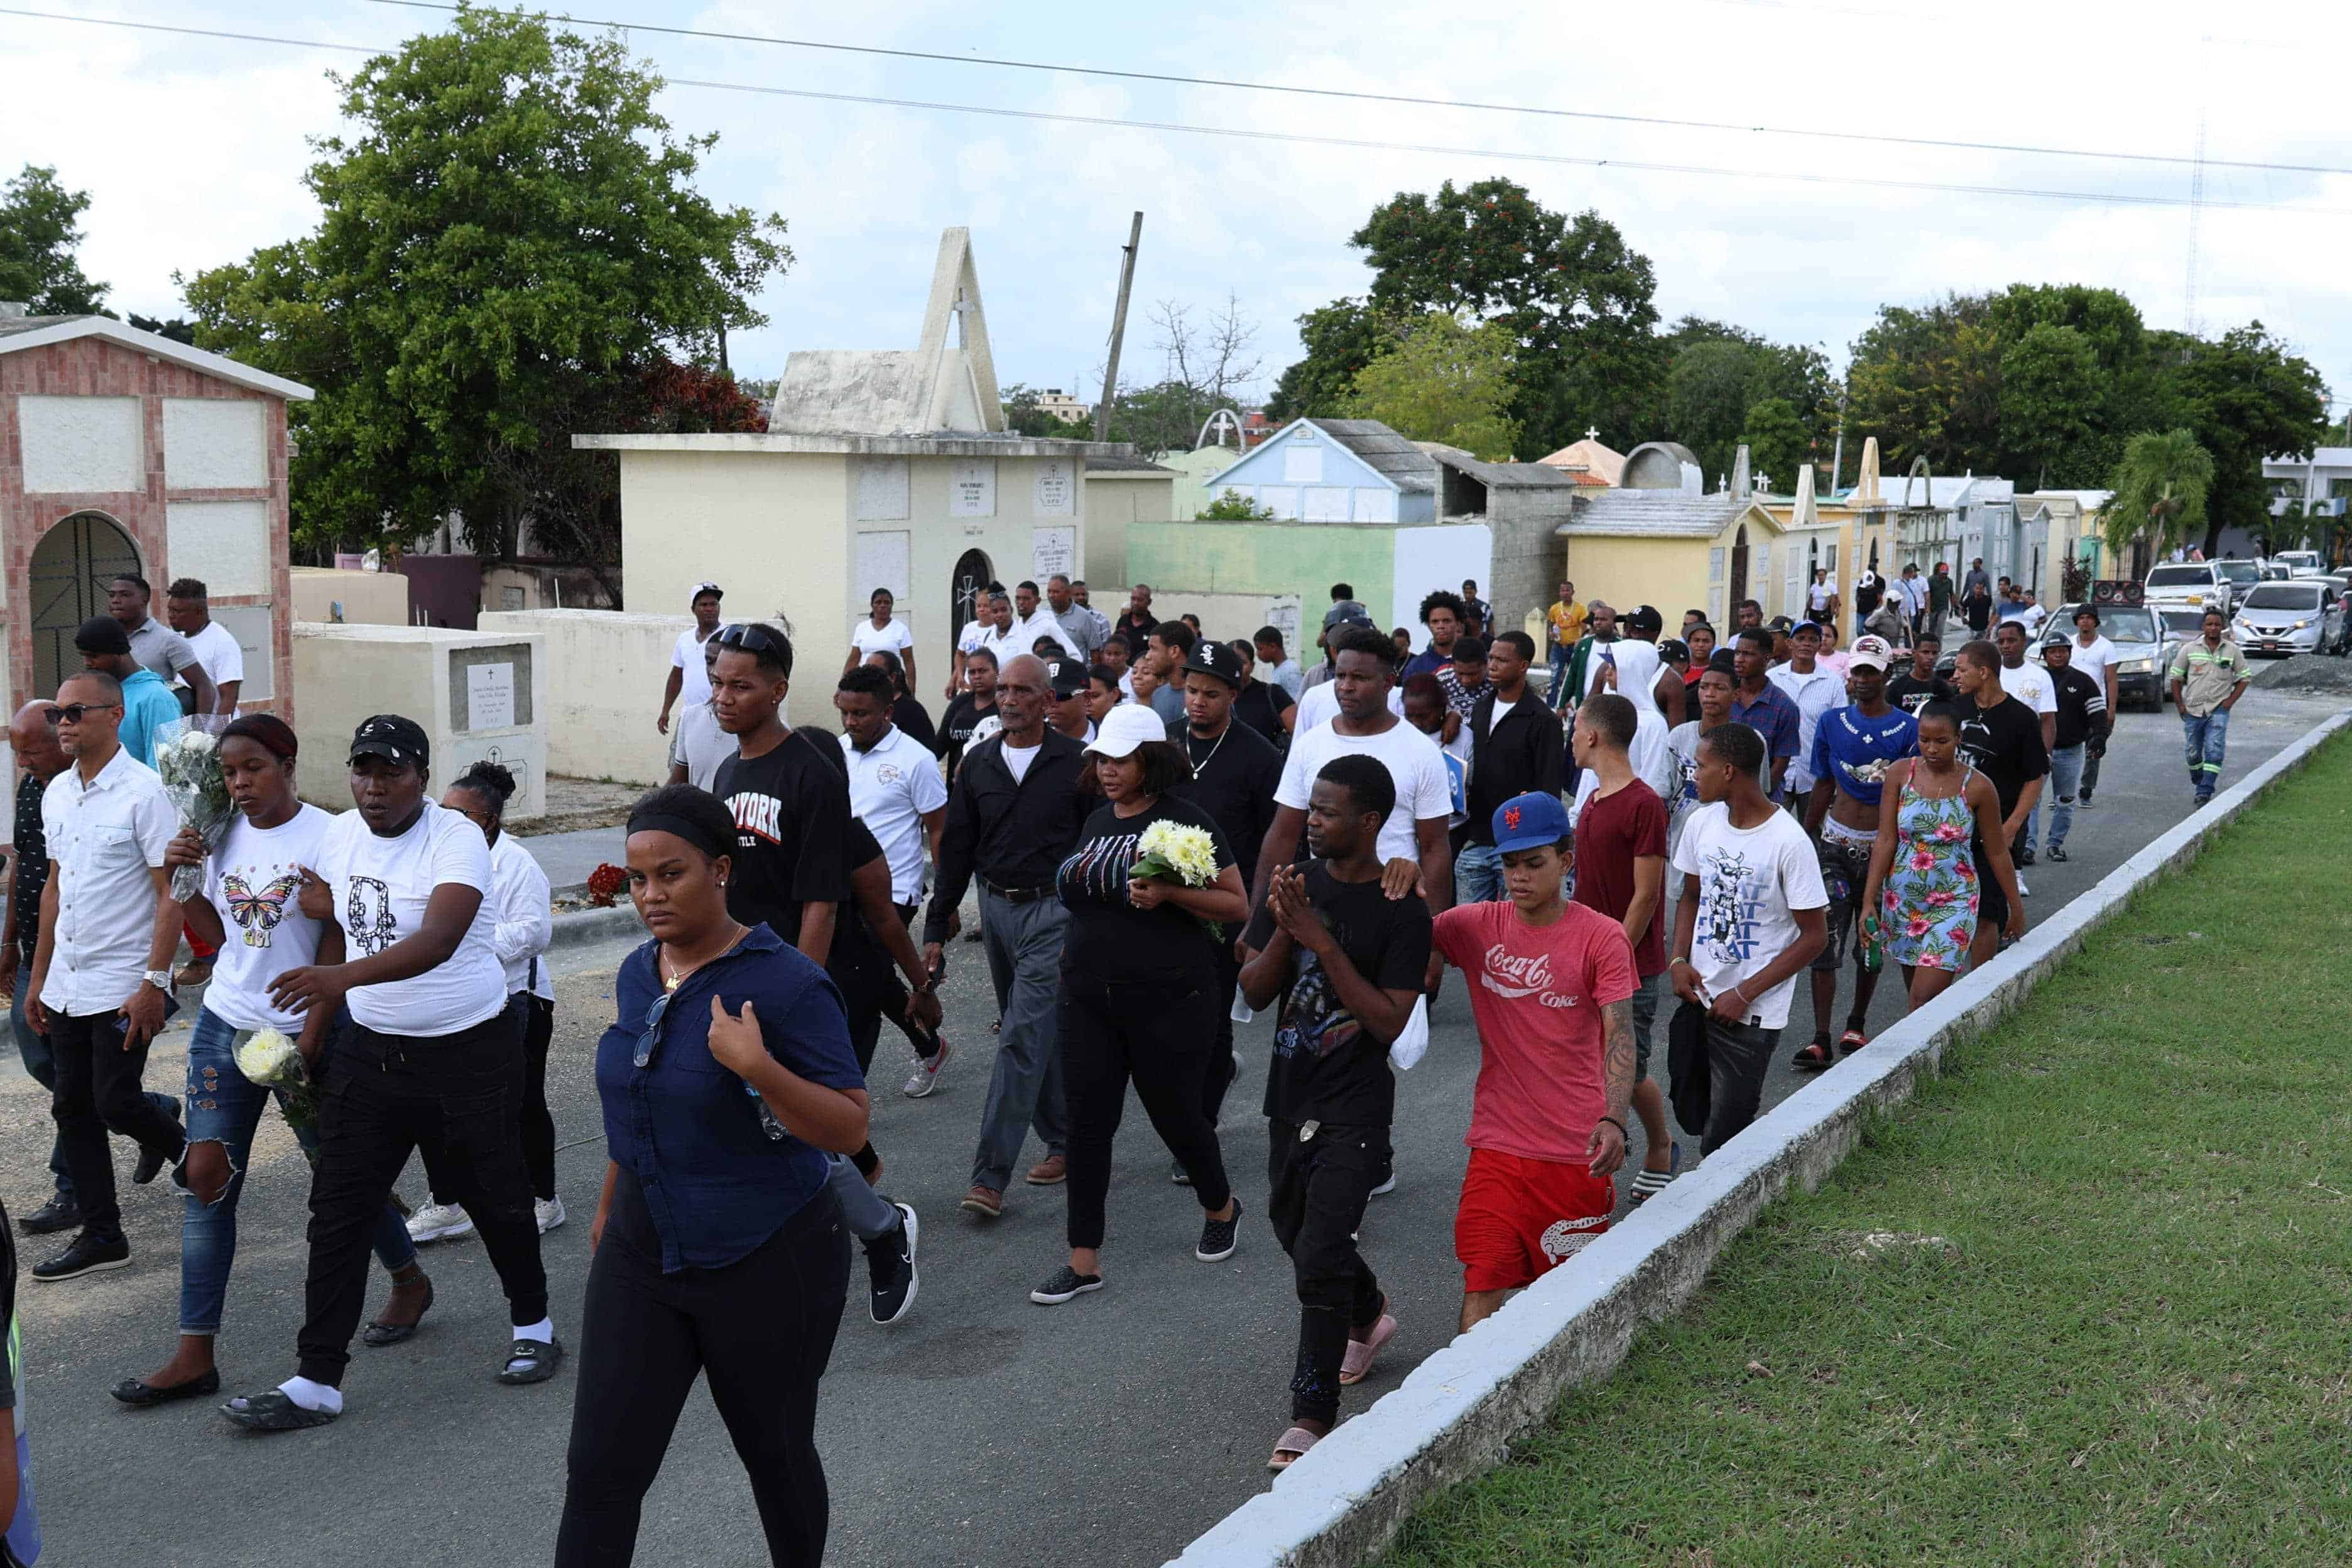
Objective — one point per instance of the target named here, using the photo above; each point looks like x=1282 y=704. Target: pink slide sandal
x=1358 y=1363
x=1295 y=1442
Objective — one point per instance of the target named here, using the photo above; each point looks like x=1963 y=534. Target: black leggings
x=761 y=1329
x=538 y=1125
x=1160 y=1035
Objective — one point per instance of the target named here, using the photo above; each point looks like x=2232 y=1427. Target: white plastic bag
x=1412 y=1044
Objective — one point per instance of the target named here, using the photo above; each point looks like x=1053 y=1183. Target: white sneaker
x=549 y=1212
x=439 y=1222
x=924 y=1075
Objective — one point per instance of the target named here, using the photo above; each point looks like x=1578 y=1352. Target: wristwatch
x=161 y=979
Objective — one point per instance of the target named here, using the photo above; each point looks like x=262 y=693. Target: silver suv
x=2192 y=585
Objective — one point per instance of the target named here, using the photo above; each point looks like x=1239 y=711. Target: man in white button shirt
x=1032 y=620
x=101 y=979
x=1815 y=691
x=187 y=609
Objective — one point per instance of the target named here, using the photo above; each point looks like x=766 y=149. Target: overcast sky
x=194 y=149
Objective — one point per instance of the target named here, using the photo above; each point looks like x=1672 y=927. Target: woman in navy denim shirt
x=724 y=1080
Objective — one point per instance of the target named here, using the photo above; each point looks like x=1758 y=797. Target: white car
x=2190 y=585
x=2290 y=617
x=2301 y=562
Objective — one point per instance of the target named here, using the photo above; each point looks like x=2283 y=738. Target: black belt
x=1017 y=895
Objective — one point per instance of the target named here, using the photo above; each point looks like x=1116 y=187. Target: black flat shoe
x=130 y=1391
x=151 y=1164
x=376 y=1336
x=59 y=1214
x=274 y=1412
x=531 y=1361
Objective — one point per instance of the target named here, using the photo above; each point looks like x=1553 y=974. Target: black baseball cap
x=102 y=634
x=392 y=738
x=1068 y=677
x=1779 y=624
x=1216 y=659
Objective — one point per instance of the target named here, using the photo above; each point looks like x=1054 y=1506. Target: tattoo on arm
x=1617 y=1062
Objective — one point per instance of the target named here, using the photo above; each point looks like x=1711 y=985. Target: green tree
x=2050 y=397
x=1576 y=299
x=1022 y=417
x=1709 y=387
x=1341 y=339
x=1926 y=383
x=40 y=226
x=1231 y=508
x=509 y=234
x=2161 y=488
x=1777 y=444
x=1445 y=381
x=2247 y=398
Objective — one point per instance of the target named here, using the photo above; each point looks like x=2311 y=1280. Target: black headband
x=694 y=833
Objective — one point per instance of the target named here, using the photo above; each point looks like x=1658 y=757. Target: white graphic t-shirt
x=1749 y=881
x=255 y=881
x=380 y=886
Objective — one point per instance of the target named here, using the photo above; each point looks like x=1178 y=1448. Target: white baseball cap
x=1872 y=653
x=1126 y=727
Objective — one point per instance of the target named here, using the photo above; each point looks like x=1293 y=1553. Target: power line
x=2108 y=198
x=1388 y=97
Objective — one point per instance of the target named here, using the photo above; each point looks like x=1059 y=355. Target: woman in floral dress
x=1922 y=892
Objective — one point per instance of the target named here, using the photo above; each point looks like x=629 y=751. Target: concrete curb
x=1455 y=1416
x=584 y=928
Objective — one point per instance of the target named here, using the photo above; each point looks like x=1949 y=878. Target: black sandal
x=376 y=1336
x=532 y=1361
x=274 y=1412
x=1813 y=1057
x=133 y=1391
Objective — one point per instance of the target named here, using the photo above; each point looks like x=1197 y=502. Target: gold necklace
x=672 y=981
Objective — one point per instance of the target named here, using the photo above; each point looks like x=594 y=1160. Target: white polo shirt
x=103 y=838
x=890 y=788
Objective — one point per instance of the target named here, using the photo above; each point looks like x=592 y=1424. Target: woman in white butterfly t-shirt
x=248 y=908
x=431 y=1061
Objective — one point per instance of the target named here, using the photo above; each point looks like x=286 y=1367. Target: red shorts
x=1521 y=1218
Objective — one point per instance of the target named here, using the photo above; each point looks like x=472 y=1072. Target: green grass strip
x=2107 y=1314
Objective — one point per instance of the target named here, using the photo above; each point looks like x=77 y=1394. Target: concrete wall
x=348 y=673
x=1265 y=559
x=781 y=531
x=367 y=598
x=1113 y=501
x=605 y=673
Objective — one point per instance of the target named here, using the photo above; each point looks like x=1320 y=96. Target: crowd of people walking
x=1161 y=833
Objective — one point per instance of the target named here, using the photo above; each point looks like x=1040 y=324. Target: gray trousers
x=869 y=1215
x=1023 y=944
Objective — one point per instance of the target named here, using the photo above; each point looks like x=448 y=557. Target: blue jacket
x=147 y=705
x=719 y=1176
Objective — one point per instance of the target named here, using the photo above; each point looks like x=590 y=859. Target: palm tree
x=2159 y=488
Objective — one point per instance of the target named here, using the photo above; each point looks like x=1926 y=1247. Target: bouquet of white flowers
x=187 y=759
x=268 y=1058
x=1171 y=852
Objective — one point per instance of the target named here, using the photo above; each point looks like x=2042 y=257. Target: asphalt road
x=983 y=1430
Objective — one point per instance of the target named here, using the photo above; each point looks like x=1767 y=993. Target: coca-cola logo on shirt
x=1511 y=977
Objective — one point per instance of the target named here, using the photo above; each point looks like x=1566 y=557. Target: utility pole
x=1118 y=330
x=1837 y=453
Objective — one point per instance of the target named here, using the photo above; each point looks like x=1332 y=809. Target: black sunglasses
x=650 y=1041
x=74 y=712
x=751 y=638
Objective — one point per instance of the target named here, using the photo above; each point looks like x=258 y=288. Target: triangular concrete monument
x=936 y=387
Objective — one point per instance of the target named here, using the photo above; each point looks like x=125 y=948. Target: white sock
x=312 y=1395
x=542 y=1331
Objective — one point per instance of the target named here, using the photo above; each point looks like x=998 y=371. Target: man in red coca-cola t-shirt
x=1550 y=989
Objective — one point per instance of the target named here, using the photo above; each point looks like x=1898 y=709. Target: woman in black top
x=969 y=707
x=718 y=1250
x=906 y=713
x=1139 y=992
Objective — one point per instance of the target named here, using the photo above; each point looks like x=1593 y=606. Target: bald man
x=39 y=759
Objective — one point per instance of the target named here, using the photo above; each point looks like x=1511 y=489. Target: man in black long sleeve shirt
x=1515 y=749
x=1014 y=816
x=1234 y=771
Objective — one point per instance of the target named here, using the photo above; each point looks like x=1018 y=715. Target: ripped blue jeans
x=224 y=1108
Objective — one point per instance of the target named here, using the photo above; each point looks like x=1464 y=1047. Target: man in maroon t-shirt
x=1621 y=872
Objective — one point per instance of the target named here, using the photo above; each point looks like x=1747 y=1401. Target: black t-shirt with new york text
x=2004 y=743
x=1327 y=1067
x=1110 y=939
x=791 y=833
